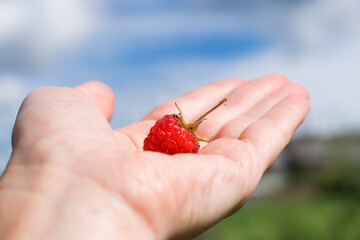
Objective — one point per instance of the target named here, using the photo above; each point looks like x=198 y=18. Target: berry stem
x=200 y=119
x=194 y=126
x=182 y=120
x=203 y=140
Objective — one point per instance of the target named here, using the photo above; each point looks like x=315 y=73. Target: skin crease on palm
x=71 y=176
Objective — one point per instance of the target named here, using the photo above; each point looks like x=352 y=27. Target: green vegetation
x=316 y=218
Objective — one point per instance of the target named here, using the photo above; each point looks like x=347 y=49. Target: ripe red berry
x=171 y=134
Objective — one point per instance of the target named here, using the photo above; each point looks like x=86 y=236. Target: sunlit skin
x=71 y=176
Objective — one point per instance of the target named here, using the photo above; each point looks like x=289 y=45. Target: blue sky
x=151 y=51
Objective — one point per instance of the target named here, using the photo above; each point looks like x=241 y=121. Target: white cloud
x=309 y=27
x=12 y=20
x=166 y=24
x=12 y=91
x=325 y=22
x=35 y=32
x=152 y=29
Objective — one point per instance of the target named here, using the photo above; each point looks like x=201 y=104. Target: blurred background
x=157 y=50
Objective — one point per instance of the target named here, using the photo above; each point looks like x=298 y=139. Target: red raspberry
x=168 y=135
x=171 y=135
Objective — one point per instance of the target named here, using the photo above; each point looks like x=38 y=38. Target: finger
x=234 y=128
x=270 y=134
x=267 y=136
x=240 y=101
x=198 y=101
x=267 y=103
x=101 y=95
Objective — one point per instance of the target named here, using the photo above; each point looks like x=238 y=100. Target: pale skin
x=71 y=176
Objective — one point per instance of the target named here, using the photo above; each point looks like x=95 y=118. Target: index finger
x=197 y=101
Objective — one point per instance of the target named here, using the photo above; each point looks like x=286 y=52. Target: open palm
x=66 y=131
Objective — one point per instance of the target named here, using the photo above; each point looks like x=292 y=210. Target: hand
x=73 y=177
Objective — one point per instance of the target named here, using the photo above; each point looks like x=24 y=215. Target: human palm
x=64 y=133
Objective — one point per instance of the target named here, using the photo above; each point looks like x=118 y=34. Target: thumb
x=101 y=95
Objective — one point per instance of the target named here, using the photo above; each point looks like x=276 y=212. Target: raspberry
x=172 y=135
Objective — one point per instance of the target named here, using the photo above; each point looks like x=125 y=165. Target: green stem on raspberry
x=194 y=126
x=200 y=119
x=182 y=120
x=203 y=140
